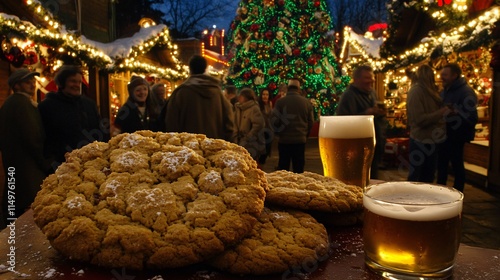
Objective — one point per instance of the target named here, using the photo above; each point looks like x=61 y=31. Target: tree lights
x=273 y=41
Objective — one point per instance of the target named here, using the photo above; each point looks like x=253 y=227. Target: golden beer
x=346 y=146
x=411 y=229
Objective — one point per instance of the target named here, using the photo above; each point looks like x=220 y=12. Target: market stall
x=437 y=33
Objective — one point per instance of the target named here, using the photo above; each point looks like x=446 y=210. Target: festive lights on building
x=65 y=43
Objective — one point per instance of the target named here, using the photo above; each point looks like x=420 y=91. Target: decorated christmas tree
x=271 y=41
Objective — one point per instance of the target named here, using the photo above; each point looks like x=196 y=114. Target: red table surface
x=36 y=259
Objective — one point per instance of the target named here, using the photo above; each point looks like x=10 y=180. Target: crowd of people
x=36 y=137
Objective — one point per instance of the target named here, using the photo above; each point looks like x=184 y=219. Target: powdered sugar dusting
x=212 y=176
x=127 y=159
x=75 y=202
x=130 y=140
x=173 y=160
x=112 y=186
x=277 y=216
x=232 y=163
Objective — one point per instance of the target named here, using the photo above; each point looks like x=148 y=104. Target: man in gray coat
x=198 y=105
x=292 y=120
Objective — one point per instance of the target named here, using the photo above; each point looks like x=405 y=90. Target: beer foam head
x=413 y=201
x=346 y=127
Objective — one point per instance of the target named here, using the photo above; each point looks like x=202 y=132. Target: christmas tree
x=271 y=41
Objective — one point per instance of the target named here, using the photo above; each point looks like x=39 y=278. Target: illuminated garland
x=450 y=36
x=70 y=44
x=273 y=41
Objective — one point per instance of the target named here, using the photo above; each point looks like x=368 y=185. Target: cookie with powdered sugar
x=280 y=241
x=151 y=199
x=329 y=200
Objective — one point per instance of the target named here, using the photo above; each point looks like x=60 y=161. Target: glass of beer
x=411 y=230
x=346 y=146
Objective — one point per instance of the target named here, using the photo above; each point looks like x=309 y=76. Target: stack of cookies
x=167 y=200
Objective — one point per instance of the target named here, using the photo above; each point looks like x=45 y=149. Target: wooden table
x=36 y=259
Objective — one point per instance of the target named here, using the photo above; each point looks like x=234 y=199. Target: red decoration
x=269 y=35
x=377 y=26
x=479 y=5
x=31 y=58
x=446 y=2
x=247 y=75
x=296 y=52
x=317 y=3
x=254 y=27
x=16 y=57
x=281 y=2
x=271 y=86
x=312 y=60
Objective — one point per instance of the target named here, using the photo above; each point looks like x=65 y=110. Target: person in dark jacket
x=360 y=99
x=139 y=112
x=460 y=124
x=21 y=143
x=292 y=120
x=198 y=105
x=70 y=119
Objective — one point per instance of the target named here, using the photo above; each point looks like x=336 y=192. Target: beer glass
x=346 y=146
x=411 y=230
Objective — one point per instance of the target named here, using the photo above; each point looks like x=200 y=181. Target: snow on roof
x=122 y=48
x=370 y=46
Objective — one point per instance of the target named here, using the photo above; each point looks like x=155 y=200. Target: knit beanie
x=134 y=82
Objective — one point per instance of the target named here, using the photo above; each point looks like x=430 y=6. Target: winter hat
x=248 y=93
x=134 y=82
x=20 y=75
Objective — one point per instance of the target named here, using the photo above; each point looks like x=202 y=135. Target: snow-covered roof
x=122 y=48
x=371 y=46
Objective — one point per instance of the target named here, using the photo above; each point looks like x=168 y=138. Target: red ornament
x=311 y=60
x=271 y=86
x=31 y=58
x=296 y=52
x=446 y=2
x=281 y=2
x=269 y=35
x=317 y=3
x=254 y=27
x=247 y=75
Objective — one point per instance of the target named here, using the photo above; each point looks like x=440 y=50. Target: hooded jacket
x=461 y=124
x=250 y=126
x=198 y=106
x=70 y=122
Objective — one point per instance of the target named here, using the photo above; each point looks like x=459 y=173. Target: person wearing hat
x=138 y=112
x=199 y=106
x=21 y=143
x=70 y=119
x=249 y=123
x=292 y=120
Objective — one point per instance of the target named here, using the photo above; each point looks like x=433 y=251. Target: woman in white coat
x=250 y=123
